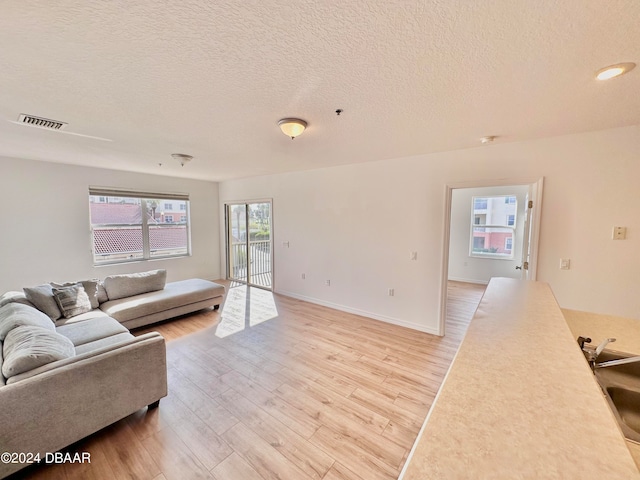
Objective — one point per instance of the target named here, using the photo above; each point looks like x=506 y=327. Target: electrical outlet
x=413 y=256
x=304 y=276
x=619 y=233
x=327 y=283
x=391 y=292
x=565 y=264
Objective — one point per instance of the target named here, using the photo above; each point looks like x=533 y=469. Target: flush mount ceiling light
x=182 y=158
x=614 y=70
x=292 y=127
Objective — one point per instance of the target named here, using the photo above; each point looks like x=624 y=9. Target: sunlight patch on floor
x=245 y=307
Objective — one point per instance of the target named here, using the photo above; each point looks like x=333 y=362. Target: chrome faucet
x=593 y=353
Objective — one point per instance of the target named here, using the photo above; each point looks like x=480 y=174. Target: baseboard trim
x=362 y=313
x=468 y=280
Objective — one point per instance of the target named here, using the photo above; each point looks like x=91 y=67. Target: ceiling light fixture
x=292 y=127
x=182 y=158
x=614 y=70
x=488 y=139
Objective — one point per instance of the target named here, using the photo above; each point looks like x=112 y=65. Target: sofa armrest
x=58 y=407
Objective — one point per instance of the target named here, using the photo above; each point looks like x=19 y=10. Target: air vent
x=41 y=122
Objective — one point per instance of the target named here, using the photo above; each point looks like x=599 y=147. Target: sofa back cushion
x=27 y=347
x=121 y=286
x=15 y=315
x=14 y=297
x=42 y=298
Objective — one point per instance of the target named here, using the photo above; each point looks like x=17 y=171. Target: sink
x=627 y=406
x=621 y=387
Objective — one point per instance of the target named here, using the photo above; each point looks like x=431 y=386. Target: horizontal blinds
x=117 y=192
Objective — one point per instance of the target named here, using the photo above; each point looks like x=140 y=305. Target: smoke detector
x=182 y=158
x=39 y=122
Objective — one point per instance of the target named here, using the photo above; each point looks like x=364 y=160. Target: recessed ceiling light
x=614 y=70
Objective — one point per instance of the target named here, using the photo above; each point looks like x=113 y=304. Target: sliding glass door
x=249 y=246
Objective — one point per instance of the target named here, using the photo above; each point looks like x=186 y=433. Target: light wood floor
x=274 y=388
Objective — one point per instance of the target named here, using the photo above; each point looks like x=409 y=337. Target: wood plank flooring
x=270 y=387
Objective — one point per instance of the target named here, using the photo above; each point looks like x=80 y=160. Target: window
x=133 y=228
x=493 y=221
x=508 y=243
x=183 y=207
x=479 y=203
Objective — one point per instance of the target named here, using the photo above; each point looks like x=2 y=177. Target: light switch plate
x=565 y=264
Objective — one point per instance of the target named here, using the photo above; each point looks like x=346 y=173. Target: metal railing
x=256 y=265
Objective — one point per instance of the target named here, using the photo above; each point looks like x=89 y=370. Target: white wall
x=356 y=224
x=45 y=235
x=462 y=266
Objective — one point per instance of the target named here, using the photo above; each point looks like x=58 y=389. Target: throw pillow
x=15 y=315
x=90 y=288
x=28 y=347
x=102 y=293
x=72 y=300
x=42 y=297
x=121 y=286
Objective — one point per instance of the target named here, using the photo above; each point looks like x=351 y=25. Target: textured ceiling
x=212 y=79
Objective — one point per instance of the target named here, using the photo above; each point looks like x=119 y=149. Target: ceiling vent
x=40 y=122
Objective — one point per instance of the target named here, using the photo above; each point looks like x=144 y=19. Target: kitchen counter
x=519 y=400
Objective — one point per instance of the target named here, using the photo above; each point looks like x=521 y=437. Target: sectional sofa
x=69 y=365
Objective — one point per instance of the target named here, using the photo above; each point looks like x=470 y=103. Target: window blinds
x=117 y=192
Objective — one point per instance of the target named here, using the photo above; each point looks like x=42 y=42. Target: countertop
x=519 y=400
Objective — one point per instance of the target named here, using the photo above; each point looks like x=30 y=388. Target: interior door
x=249 y=243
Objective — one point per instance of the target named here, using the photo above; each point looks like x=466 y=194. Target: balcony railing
x=259 y=266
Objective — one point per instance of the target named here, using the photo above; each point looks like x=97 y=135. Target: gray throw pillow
x=27 y=347
x=15 y=315
x=90 y=288
x=121 y=286
x=42 y=297
x=72 y=300
x=102 y=293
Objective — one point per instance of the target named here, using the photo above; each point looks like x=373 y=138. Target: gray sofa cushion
x=15 y=315
x=81 y=318
x=42 y=298
x=14 y=297
x=90 y=287
x=175 y=294
x=2 y=382
x=72 y=300
x=91 y=330
x=103 y=342
x=121 y=286
x=27 y=347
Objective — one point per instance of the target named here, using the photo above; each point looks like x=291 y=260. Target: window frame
x=145 y=224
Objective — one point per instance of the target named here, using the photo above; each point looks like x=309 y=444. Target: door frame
x=536 y=187
x=225 y=209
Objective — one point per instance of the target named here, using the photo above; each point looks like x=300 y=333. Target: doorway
x=249 y=243
x=491 y=230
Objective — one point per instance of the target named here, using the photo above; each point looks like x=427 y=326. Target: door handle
x=518 y=267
